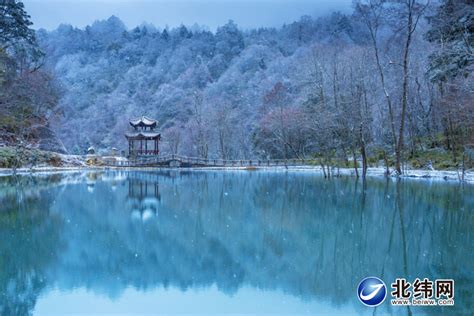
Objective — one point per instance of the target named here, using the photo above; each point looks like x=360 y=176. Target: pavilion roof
x=142 y=134
x=143 y=121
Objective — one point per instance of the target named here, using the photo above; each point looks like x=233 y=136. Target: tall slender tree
x=15 y=24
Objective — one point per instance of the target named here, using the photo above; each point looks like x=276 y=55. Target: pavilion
x=143 y=140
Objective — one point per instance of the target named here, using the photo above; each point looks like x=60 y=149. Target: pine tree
x=15 y=24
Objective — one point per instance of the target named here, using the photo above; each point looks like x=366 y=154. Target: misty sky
x=49 y=14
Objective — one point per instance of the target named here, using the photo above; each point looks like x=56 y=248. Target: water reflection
x=143 y=195
x=290 y=233
x=29 y=243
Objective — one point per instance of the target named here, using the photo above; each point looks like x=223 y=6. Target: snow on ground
x=371 y=172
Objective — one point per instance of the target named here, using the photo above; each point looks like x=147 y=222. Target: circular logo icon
x=371 y=291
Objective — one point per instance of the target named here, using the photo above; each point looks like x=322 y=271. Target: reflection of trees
x=309 y=237
x=29 y=239
x=298 y=233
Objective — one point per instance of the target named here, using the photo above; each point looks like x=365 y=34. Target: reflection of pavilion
x=143 y=197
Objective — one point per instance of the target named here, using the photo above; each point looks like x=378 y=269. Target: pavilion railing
x=138 y=152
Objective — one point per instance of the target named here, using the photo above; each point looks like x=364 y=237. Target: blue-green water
x=227 y=242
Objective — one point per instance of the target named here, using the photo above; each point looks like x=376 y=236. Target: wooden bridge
x=178 y=161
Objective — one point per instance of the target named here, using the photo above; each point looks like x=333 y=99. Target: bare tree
x=408 y=14
x=372 y=13
x=173 y=138
x=412 y=10
x=201 y=140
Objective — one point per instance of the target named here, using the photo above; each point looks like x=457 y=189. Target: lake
x=214 y=242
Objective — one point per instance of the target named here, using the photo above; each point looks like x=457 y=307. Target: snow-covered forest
x=389 y=82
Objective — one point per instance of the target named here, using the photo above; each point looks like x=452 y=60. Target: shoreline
x=440 y=175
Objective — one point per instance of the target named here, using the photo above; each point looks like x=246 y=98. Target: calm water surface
x=226 y=242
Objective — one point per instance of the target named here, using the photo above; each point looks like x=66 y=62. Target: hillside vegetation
x=390 y=83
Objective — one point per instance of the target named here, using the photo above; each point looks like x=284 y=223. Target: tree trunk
x=322 y=167
x=406 y=55
x=355 y=163
x=385 y=159
x=373 y=35
x=364 y=159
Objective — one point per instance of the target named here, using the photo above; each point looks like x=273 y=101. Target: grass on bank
x=437 y=158
x=11 y=157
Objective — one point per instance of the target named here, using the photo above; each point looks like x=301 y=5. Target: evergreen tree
x=15 y=24
x=27 y=94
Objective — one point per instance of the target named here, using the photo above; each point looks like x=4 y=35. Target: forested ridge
x=390 y=82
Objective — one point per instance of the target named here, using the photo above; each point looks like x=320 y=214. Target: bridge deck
x=183 y=161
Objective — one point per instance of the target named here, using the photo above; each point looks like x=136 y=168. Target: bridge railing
x=202 y=162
